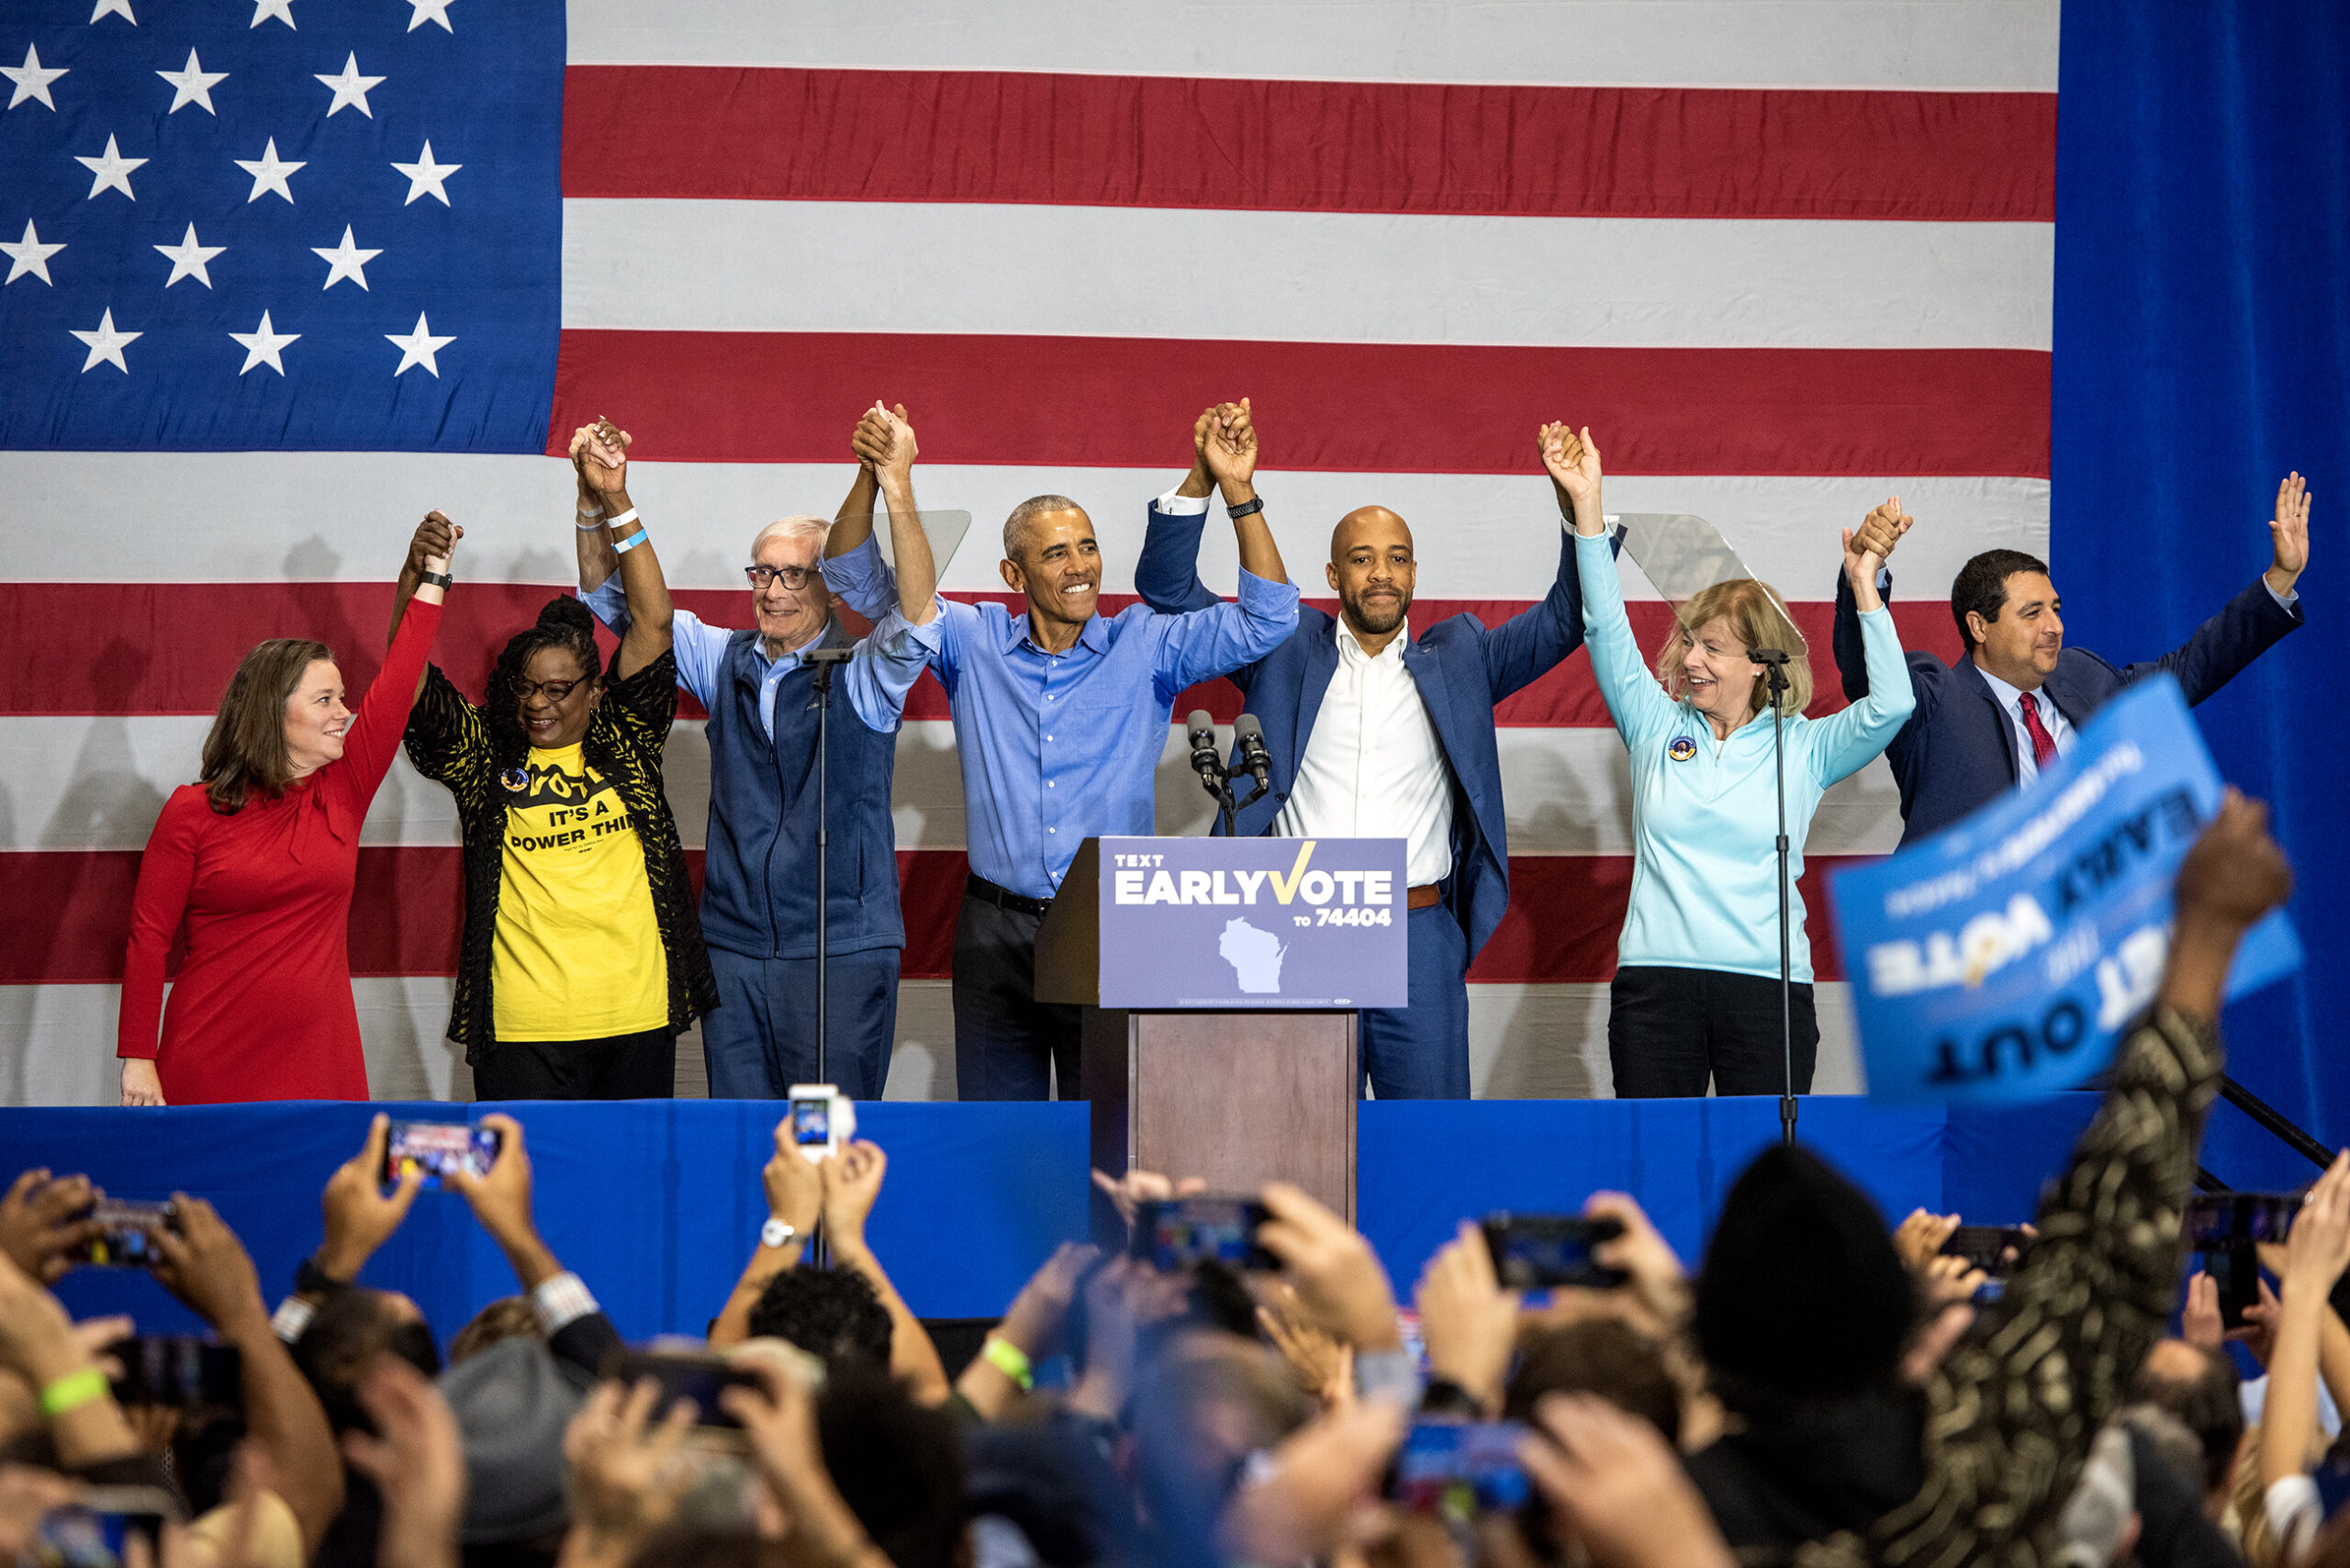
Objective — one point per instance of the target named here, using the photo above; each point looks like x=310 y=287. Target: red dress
x=261 y=1009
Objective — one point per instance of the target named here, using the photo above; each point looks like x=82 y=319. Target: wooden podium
x=1239 y=1094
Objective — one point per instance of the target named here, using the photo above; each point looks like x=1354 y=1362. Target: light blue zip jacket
x=1705 y=817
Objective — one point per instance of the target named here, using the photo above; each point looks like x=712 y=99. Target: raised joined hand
x=599 y=453
x=1572 y=458
x=433 y=544
x=852 y=1184
x=884 y=441
x=1229 y=447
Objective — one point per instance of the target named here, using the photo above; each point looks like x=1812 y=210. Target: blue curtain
x=2202 y=349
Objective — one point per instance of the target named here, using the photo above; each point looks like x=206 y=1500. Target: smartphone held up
x=436 y=1151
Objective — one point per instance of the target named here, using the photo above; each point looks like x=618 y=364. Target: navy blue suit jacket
x=1463 y=669
x=1957 y=753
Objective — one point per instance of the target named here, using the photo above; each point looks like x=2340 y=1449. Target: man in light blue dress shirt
x=1060 y=718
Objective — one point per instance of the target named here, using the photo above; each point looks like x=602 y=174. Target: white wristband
x=627 y=517
x=589 y=521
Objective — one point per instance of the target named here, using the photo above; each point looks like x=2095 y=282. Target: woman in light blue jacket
x=1696 y=988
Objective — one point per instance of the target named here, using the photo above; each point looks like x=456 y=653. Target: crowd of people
x=1822 y=1390
x=585 y=951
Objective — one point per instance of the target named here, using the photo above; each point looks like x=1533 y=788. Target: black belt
x=980 y=888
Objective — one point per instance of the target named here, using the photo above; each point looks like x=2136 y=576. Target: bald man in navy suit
x=2011 y=705
x=1378 y=731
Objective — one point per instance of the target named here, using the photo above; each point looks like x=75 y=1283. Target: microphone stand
x=824 y=661
x=1774 y=670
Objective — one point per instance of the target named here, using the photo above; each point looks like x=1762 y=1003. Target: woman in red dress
x=256 y=864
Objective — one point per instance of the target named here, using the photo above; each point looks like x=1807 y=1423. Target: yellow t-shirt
x=577 y=955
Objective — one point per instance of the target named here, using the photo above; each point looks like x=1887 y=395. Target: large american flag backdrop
x=282 y=274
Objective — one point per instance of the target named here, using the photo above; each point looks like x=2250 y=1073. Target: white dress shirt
x=2059 y=728
x=1372 y=768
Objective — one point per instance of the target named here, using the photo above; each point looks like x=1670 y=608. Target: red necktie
x=2043 y=744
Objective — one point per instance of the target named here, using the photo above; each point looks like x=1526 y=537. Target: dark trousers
x=1420 y=1051
x=1007 y=1044
x=762 y=1038
x=623 y=1066
x=1670 y=1029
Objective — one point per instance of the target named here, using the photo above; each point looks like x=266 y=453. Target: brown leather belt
x=1427 y=896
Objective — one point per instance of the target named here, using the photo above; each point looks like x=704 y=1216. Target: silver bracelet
x=589 y=521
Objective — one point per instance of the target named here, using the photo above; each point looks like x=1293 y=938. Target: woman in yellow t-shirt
x=582 y=956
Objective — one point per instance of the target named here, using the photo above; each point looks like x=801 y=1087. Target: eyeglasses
x=553 y=690
x=793 y=577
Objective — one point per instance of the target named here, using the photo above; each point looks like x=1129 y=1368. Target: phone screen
x=96 y=1532
x=126 y=1239
x=812 y=1121
x=699 y=1378
x=1458 y=1470
x=437 y=1150
x=1537 y=1251
x=2218 y=1219
x=178 y=1370
x=1987 y=1246
x=1175 y=1233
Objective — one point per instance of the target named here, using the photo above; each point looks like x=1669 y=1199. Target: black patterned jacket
x=2011 y=1412
x=449 y=742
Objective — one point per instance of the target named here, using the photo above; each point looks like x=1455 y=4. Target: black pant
x=623 y=1066
x=1668 y=1030
x=1006 y=1042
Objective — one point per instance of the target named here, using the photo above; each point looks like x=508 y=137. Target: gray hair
x=1015 y=527
x=799 y=527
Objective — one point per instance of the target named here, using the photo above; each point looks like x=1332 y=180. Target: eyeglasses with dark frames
x=794 y=577
x=553 y=690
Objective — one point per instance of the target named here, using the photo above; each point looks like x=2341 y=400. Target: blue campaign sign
x=2000 y=961
x=1249 y=922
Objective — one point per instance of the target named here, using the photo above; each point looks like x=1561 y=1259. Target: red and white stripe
x=1784 y=259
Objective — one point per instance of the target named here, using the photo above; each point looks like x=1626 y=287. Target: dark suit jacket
x=1463 y=669
x=1957 y=753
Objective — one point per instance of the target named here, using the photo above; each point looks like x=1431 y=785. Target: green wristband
x=1009 y=1359
x=73 y=1391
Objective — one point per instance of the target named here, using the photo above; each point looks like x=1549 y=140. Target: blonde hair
x=1759 y=619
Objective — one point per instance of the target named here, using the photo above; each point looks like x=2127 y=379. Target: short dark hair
x=2207 y=1404
x=341 y=1342
x=1603 y=1356
x=831 y=1313
x=1981 y=586
x=897 y=1464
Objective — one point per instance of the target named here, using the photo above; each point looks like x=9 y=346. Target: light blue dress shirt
x=885 y=665
x=2010 y=701
x=1057 y=749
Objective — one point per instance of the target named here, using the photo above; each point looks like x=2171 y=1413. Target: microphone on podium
x=1253 y=759
x=1205 y=760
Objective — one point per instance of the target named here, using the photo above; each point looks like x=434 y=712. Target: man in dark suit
x=1376 y=734
x=2013 y=703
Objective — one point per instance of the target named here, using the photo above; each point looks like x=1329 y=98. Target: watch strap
x=1245 y=508
x=311 y=1280
x=438 y=579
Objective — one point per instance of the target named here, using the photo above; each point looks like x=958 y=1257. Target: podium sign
x=1252 y=922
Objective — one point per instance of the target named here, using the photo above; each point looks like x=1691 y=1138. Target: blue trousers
x=1421 y=1051
x=762 y=1037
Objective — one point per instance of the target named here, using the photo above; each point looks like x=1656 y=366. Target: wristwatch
x=311 y=1280
x=438 y=579
x=775 y=1233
